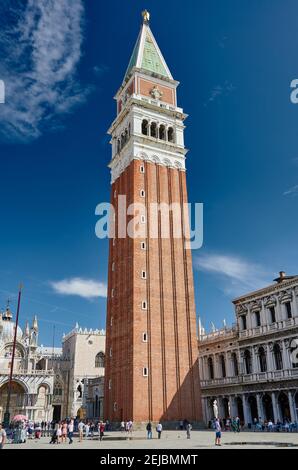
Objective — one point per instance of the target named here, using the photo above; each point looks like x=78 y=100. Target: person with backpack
x=159 y=430
x=149 y=430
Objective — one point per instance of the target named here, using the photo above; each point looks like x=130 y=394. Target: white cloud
x=41 y=43
x=220 y=90
x=292 y=191
x=236 y=275
x=86 y=288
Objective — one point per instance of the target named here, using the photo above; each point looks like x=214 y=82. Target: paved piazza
x=173 y=440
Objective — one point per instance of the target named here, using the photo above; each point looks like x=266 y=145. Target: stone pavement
x=172 y=440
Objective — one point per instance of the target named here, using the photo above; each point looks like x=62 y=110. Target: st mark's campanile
x=151 y=344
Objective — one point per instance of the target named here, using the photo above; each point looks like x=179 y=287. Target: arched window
x=235 y=364
x=122 y=140
x=129 y=130
x=223 y=366
x=262 y=359
x=247 y=362
x=100 y=360
x=277 y=357
x=118 y=145
x=170 y=134
x=153 y=129
x=162 y=132
x=210 y=368
x=145 y=127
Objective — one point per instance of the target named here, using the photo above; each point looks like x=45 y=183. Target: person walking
x=188 y=429
x=101 y=429
x=59 y=433
x=149 y=430
x=87 y=429
x=81 y=427
x=238 y=424
x=70 y=431
x=2 y=437
x=64 y=431
x=159 y=430
x=217 y=432
x=122 y=427
x=92 y=427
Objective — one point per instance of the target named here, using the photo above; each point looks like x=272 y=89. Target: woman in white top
x=59 y=433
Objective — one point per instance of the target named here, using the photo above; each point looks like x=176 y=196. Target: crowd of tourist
x=234 y=424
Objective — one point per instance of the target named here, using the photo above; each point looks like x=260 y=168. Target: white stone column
x=278 y=310
x=260 y=406
x=228 y=364
x=254 y=361
x=221 y=410
x=275 y=407
x=270 y=366
x=285 y=356
x=217 y=373
x=233 y=407
x=246 y=410
x=292 y=407
x=201 y=368
x=249 y=324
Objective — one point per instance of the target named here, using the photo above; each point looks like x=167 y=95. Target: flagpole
x=7 y=414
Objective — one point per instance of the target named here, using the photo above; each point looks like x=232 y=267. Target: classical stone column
x=292 y=407
x=254 y=355
x=275 y=407
x=228 y=364
x=217 y=372
x=249 y=319
x=269 y=358
x=278 y=310
x=264 y=319
x=221 y=409
x=260 y=406
x=246 y=410
x=233 y=406
x=285 y=356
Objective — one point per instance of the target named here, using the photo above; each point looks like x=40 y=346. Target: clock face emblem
x=156 y=93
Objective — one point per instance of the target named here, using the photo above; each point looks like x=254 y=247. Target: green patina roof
x=150 y=58
x=134 y=57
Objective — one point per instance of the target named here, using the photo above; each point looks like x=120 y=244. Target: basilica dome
x=7 y=328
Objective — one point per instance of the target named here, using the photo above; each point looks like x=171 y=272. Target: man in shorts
x=217 y=432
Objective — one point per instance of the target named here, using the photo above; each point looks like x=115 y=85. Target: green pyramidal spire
x=146 y=53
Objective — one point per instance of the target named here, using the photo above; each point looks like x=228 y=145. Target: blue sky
x=62 y=65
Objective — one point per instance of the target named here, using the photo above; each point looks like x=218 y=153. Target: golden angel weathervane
x=146 y=16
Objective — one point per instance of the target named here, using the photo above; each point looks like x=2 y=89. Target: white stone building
x=32 y=385
x=51 y=383
x=82 y=359
x=251 y=369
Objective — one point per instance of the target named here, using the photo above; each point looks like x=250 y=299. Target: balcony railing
x=26 y=372
x=250 y=378
x=266 y=329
